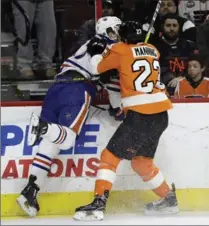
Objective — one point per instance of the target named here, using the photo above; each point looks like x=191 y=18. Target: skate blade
x=34 y=121
x=23 y=203
x=89 y=215
x=165 y=211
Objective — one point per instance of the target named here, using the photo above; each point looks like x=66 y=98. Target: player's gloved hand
x=96 y=45
x=117 y=113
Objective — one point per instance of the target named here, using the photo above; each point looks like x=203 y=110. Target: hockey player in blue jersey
x=64 y=111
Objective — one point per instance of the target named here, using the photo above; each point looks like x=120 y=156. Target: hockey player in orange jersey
x=195 y=85
x=136 y=139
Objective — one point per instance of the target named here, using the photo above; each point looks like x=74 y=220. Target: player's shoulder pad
x=110 y=48
x=118 y=47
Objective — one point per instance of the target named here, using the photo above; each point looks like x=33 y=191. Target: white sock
x=43 y=159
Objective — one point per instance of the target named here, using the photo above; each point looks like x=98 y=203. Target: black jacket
x=203 y=41
x=173 y=58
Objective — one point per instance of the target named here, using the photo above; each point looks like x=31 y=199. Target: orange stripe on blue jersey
x=82 y=115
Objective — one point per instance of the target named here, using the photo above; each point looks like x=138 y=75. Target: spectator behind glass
x=194 y=10
x=87 y=30
x=187 y=28
x=203 y=39
x=143 y=10
x=174 y=52
x=42 y=14
x=194 y=85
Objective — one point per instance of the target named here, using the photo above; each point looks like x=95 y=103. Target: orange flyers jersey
x=139 y=73
x=184 y=89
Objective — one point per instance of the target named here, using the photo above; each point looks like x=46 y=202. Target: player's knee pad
x=108 y=166
x=69 y=140
x=142 y=165
x=149 y=173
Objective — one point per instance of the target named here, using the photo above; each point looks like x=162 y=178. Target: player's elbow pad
x=94 y=62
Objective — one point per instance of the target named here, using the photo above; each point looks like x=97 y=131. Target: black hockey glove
x=96 y=45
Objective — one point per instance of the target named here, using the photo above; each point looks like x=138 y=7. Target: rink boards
x=182 y=156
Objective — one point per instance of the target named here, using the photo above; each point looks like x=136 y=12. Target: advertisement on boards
x=183 y=145
x=78 y=161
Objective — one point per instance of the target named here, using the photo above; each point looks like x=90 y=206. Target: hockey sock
x=61 y=136
x=106 y=174
x=43 y=159
x=150 y=174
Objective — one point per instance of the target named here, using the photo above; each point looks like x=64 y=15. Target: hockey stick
x=153 y=21
x=32 y=82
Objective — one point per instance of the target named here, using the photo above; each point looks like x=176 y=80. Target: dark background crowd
x=37 y=35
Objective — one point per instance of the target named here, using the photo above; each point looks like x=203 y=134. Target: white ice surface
x=183 y=218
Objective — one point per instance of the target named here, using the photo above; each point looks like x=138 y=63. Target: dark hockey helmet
x=131 y=32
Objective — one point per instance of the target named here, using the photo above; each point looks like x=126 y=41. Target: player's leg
x=151 y=128
x=55 y=136
x=117 y=149
x=38 y=172
x=106 y=176
x=134 y=140
x=152 y=175
x=43 y=158
x=59 y=136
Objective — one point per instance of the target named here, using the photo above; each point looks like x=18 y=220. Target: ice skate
x=36 y=128
x=167 y=205
x=28 y=198
x=93 y=211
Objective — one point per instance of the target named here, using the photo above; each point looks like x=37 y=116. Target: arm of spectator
x=145 y=27
x=174 y=82
x=182 y=9
x=166 y=75
x=176 y=91
x=86 y=31
x=189 y=31
x=202 y=40
x=194 y=47
x=188 y=25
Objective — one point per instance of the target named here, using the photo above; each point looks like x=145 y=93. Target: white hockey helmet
x=108 y=26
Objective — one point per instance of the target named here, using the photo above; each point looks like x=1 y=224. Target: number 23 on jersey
x=149 y=75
